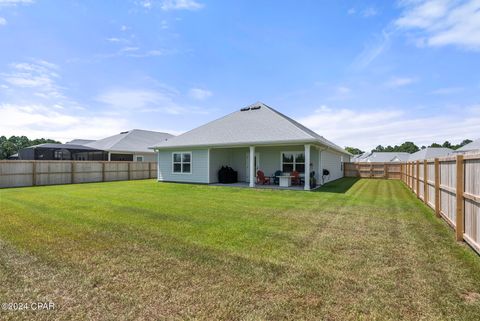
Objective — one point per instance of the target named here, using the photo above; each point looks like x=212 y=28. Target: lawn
x=365 y=249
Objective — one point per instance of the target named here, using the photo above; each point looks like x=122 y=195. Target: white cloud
x=369 y=12
x=38 y=120
x=367 y=129
x=11 y=3
x=181 y=5
x=443 y=22
x=199 y=94
x=351 y=11
x=395 y=82
x=447 y=90
x=117 y=40
x=372 y=50
x=3 y=21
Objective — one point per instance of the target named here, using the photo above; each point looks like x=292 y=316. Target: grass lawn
x=365 y=249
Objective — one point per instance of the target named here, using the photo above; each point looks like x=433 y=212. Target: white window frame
x=294 y=152
x=181 y=163
x=139 y=156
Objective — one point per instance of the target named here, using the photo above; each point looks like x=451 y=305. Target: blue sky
x=360 y=73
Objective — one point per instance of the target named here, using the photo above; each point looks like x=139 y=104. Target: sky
x=360 y=73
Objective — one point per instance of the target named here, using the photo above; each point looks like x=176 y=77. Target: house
x=361 y=157
x=473 y=147
x=386 y=157
x=429 y=153
x=81 y=141
x=255 y=138
x=61 y=152
x=132 y=145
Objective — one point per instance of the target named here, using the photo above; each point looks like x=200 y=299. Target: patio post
x=307 y=167
x=252 y=166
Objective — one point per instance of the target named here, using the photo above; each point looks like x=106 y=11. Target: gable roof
x=255 y=124
x=385 y=157
x=473 y=146
x=63 y=146
x=135 y=140
x=430 y=152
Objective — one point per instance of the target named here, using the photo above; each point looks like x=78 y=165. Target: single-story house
x=386 y=157
x=132 y=145
x=50 y=151
x=430 y=152
x=252 y=139
x=473 y=147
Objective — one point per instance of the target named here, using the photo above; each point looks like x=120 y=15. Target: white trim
x=307 y=167
x=208 y=166
x=136 y=158
x=158 y=166
x=294 y=163
x=252 y=167
x=181 y=163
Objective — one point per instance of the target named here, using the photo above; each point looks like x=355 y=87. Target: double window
x=293 y=161
x=182 y=162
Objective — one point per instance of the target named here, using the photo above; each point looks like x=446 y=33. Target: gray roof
x=80 y=141
x=430 y=152
x=255 y=124
x=385 y=157
x=473 y=146
x=135 y=140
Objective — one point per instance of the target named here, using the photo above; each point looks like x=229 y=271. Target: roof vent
x=255 y=108
x=124 y=133
x=245 y=109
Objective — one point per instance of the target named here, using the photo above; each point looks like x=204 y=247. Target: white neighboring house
x=430 y=152
x=254 y=138
x=472 y=148
x=385 y=157
x=132 y=145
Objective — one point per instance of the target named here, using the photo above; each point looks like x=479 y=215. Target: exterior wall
x=199 y=172
x=147 y=157
x=332 y=162
x=270 y=157
x=218 y=158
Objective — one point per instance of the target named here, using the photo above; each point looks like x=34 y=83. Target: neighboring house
x=132 y=145
x=251 y=139
x=361 y=157
x=61 y=152
x=386 y=157
x=430 y=152
x=473 y=147
x=81 y=141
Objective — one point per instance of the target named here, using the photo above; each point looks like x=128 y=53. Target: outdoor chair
x=262 y=179
x=276 y=180
x=296 y=179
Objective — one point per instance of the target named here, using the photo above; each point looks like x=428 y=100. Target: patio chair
x=276 y=180
x=296 y=179
x=262 y=179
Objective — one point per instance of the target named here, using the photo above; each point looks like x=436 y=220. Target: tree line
x=407 y=147
x=11 y=145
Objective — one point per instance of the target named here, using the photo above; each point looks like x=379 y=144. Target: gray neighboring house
x=386 y=157
x=430 y=152
x=254 y=138
x=132 y=145
x=80 y=141
x=473 y=147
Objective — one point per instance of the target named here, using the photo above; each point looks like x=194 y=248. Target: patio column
x=109 y=156
x=307 y=167
x=252 y=166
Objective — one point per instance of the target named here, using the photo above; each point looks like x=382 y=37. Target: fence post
x=34 y=173
x=129 y=174
x=385 y=171
x=425 y=182
x=437 y=187
x=72 y=172
x=417 y=176
x=459 y=226
x=103 y=171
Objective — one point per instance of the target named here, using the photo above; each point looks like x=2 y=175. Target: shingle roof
x=64 y=146
x=430 y=152
x=255 y=124
x=385 y=157
x=473 y=146
x=135 y=140
x=80 y=141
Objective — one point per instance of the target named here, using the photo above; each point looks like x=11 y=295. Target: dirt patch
x=471 y=297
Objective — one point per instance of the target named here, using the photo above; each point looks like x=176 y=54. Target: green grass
x=363 y=249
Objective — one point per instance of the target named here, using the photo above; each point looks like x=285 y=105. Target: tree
x=353 y=150
x=407 y=147
x=379 y=148
x=447 y=144
x=10 y=146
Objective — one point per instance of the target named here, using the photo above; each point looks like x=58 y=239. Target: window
x=139 y=158
x=182 y=162
x=293 y=161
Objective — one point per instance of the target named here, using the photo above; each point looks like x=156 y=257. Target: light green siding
x=199 y=173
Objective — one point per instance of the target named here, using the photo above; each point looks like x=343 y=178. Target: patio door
x=257 y=165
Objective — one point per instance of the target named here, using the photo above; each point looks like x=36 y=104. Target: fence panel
x=29 y=173
x=448 y=199
x=472 y=202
